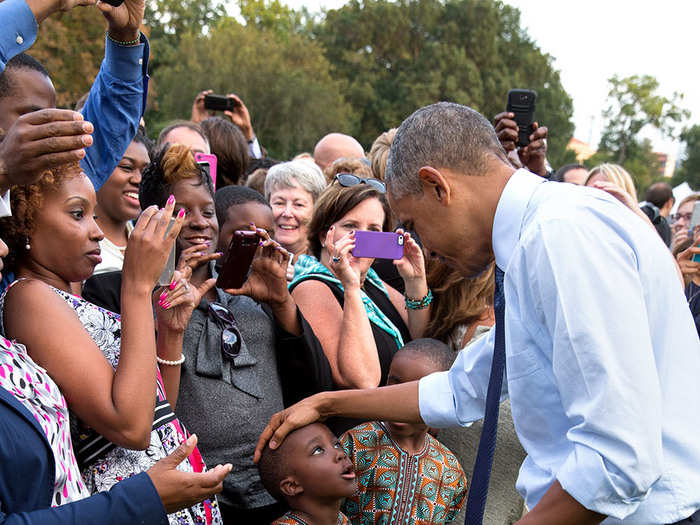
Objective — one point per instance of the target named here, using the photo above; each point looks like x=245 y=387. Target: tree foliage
x=71 y=46
x=634 y=104
x=360 y=69
x=284 y=81
x=397 y=56
x=689 y=170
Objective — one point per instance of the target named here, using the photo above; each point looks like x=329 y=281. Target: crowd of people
x=134 y=395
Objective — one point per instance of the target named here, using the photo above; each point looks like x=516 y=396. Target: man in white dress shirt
x=602 y=356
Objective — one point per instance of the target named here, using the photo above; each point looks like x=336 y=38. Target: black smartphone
x=521 y=102
x=115 y=3
x=235 y=268
x=219 y=103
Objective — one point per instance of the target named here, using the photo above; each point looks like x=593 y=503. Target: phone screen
x=166 y=275
x=234 y=270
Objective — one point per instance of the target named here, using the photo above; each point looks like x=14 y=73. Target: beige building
x=582 y=149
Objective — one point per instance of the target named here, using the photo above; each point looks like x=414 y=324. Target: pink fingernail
x=163 y=295
x=171 y=199
x=181 y=213
x=166 y=305
x=173 y=285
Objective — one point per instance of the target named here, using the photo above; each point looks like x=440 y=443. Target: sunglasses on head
x=230 y=336
x=348 y=179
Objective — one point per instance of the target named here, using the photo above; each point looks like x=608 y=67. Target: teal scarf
x=308 y=266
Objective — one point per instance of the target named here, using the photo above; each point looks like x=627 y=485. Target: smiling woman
x=118 y=203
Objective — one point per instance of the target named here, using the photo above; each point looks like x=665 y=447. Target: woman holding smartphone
x=245 y=348
x=360 y=321
x=104 y=365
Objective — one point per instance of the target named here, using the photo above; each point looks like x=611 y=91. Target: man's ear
x=435 y=184
x=290 y=487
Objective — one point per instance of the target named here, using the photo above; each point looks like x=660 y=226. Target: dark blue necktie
x=476 y=501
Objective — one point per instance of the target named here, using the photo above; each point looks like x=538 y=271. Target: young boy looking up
x=405 y=475
x=312 y=474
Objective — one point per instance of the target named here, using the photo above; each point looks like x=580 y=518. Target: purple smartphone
x=378 y=245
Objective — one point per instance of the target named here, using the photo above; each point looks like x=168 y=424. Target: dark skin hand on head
x=39 y=140
x=534 y=155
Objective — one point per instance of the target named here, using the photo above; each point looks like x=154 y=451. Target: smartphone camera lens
x=400 y=240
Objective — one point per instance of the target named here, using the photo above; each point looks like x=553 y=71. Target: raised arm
x=345 y=333
x=117 y=98
x=411 y=267
x=117 y=403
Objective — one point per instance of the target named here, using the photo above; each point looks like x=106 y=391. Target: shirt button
x=19 y=40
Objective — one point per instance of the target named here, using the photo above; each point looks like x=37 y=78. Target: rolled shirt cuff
x=125 y=62
x=436 y=401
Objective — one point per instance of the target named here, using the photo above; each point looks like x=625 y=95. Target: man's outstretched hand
x=179 y=490
x=299 y=415
x=40 y=140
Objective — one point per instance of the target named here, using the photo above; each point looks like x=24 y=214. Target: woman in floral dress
x=105 y=366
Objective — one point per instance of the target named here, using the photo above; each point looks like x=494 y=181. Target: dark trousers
x=259 y=516
x=695 y=518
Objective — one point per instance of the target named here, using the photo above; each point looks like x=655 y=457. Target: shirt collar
x=511 y=208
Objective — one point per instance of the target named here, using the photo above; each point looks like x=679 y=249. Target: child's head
x=309 y=464
x=417 y=359
x=236 y=208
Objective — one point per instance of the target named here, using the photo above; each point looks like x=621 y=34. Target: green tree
x=284 y=81
x=634 y=104
x=397 y=56
x=71 y=46
x=689 y=170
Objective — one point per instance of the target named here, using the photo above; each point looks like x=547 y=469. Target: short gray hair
x=302 y=173
x=442 y=135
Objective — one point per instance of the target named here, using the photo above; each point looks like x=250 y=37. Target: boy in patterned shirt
x=312 y=474
x=405 y=475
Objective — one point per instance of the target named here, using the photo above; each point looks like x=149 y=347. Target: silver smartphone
x=166 y=276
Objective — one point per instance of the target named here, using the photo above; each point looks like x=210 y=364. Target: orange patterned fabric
x=396 y=488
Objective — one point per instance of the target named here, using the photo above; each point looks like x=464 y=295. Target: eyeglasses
x=348 y=179
x=230 y=336
x=678 y=216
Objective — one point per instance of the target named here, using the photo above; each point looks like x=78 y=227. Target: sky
x=592 y=40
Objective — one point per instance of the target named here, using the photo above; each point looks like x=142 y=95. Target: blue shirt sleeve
x=18 y=31
x=116 y=102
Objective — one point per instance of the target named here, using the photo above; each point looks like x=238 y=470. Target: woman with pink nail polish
x=249 y=350
x=122 y=423
x=118 y=203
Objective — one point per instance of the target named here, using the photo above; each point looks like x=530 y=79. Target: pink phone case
x=378 y=245
x=208 y=158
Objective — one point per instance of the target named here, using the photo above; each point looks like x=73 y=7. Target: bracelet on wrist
x=171 y=363
x=127 y=43
x=419 y=304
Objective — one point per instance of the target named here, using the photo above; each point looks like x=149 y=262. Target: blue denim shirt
x=117 y=98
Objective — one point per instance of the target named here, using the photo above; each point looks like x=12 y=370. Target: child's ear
x=290 y=487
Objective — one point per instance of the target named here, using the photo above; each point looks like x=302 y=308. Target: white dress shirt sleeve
x=458 y=396
x=5 y=210
x=597 y=360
